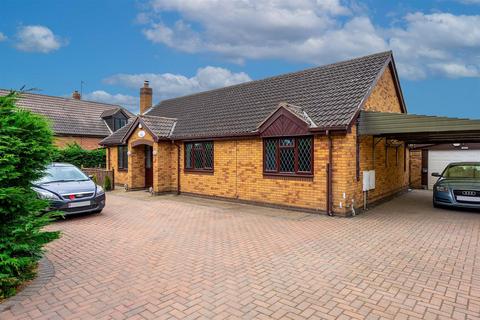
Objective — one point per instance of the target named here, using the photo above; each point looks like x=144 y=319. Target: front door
x=148 y=166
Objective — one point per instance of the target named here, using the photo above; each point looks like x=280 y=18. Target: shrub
x=107 y=184
x=26 y=144
x=75 y=154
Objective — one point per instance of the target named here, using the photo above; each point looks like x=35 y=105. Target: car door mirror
x=90 y=176
x=436 y=174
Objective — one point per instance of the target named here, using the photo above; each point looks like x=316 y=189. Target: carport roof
x=413 y=128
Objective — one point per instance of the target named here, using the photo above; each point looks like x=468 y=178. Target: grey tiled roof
x=161 y=127
x=329 y=95
x=69 y=116
x=118 y=136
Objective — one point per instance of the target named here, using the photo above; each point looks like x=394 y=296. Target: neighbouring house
x=428 y=159
x=289 y=140
x=75 y=120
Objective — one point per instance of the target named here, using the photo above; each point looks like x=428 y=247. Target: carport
x=397 y=129
x=418 y=129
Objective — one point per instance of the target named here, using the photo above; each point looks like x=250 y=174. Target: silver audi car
x=458 y=186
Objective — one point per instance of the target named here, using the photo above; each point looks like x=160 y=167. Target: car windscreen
x=62 y=174
x=462 y=171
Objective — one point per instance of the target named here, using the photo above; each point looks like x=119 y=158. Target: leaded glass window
x=288 y=155
x=304 y=146
x=199 y=156
x=188 y=158
x=208 y=155
x=271 y=155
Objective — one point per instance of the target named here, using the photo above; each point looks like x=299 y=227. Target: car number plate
x=470 y=199
x=79 y=204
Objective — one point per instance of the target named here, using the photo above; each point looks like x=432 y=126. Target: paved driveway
x=180 y=257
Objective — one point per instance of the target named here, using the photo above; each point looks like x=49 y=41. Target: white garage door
x=438 y=161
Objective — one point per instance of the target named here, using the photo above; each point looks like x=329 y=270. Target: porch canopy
x=415 y=129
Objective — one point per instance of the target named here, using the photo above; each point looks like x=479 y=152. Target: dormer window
x=115 y=118
x=118 y=123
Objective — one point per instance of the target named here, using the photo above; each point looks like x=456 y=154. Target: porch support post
x=374 y=145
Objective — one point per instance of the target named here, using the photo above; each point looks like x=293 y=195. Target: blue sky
x=188 y=46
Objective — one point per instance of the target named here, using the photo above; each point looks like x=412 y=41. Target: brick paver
x=177 y=257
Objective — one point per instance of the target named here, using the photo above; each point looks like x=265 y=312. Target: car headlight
x=100 y=190
x=45 y=194
x=442 y=189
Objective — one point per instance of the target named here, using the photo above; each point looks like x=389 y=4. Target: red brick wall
x=238 y=174
x=121 y=176
x=87 y=143
x=416 y=169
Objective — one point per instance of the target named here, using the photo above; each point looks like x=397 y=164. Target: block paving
x=171 y=257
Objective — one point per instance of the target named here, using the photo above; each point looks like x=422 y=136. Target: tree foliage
x=80 y=157
x=26 y=146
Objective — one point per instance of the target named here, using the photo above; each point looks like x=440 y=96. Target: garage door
x=438 y=161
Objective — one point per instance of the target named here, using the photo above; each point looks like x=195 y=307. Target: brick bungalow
x=289 y=140
x=75 y=120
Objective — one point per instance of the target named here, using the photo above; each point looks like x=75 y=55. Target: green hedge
x=26 y=146
x=80 y=157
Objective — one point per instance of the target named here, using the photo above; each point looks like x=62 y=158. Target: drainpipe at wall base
x=178 y=167
x=330 y=175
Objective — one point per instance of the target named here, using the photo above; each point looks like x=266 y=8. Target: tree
x=26 y=144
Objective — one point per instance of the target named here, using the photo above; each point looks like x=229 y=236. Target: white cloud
x=245 y=29
x=167 y=85
x=37 y=39
x=129 y=102
x=2 y=37
x=317 y=32
x=439 y=43
x=455 y=70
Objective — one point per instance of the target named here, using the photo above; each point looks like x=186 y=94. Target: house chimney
x=76 y=95
x=145 y=97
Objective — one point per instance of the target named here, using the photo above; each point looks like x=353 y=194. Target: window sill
x=207 y=172
x=292 y=176
x=122 y=170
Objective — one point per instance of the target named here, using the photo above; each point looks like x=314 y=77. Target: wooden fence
x=100 y=174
